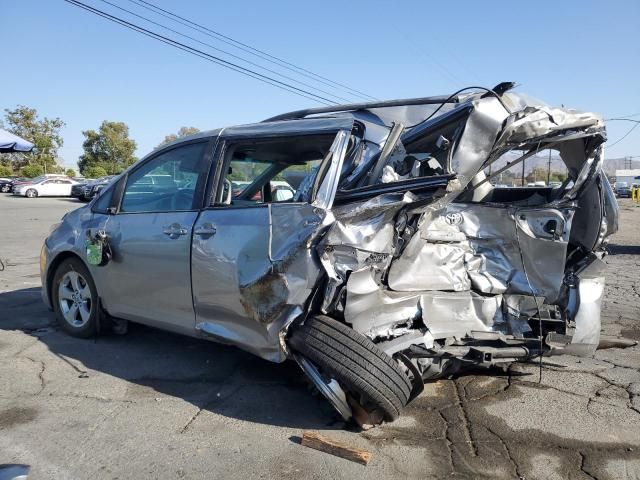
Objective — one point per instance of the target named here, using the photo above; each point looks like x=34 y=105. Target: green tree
x=558 y=176
x=110 y=148
x=5 y=171
x=183 y=132
x=43 y=133
x=32 y=171
x=541 y=173
x=70 y=172
x=94 y=171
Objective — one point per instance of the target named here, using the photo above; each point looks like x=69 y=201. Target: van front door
x=252 y=266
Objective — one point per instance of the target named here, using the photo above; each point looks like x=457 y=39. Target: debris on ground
x=328 y=445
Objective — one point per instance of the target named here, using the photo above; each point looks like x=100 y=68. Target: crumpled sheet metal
x=475 y=247
x=377 y=312
x=591 y=292
x=292 y=270
x=275 y=287
x=373 y=311
x=359 y=236
x=461 y=249
x=495 y=265
x=475 y=145
x=453 y=314
x=540 y=121
x=430 y=266
x=369 y=225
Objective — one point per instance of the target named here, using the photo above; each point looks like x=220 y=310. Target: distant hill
x=613 y=164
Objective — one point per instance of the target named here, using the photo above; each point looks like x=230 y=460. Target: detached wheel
x=75 y=299
x=31 y=193
x=361 y=368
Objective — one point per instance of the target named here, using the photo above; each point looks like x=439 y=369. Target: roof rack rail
x=364 y=106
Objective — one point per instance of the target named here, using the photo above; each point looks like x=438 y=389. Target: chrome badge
x=453 y=218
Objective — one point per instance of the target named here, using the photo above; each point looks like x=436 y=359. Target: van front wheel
x=362 y=369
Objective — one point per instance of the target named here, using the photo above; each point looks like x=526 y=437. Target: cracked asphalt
x=157 y=405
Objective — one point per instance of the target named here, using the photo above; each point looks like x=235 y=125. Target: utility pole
x=628 y=163
x=549 y=169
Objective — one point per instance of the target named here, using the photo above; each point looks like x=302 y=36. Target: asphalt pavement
x=152 y=404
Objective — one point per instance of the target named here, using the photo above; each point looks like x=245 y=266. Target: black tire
x=90 y=328
x=355 y=362
x=31 y=193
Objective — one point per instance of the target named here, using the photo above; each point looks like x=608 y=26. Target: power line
x=224 y=51
x=621 y=120
x=624 y=136
x=248 y=48
x=624 y=117
x=199 y=53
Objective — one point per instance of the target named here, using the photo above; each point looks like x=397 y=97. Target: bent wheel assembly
x=356 y=363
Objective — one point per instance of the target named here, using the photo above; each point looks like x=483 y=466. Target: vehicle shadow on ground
x=216 y=378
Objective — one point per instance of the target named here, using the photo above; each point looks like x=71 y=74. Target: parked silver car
x=394 y=260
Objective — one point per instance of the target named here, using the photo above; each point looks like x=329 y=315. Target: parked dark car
x=623 y=190
x=96 y=187
x=6 y=186
x=388 y=259
x=86 y=190
x=77 y=190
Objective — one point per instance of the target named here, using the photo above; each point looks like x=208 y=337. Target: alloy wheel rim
x=75 y=299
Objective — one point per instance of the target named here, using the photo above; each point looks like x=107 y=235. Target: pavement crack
x=460 y=402
x=24 y=349
x=191 y=420
x=447 y=439
x=509 y=378
x=82 y=373
x=198 y=412
x=40 y=373
x=512 y=460
x=582 y=468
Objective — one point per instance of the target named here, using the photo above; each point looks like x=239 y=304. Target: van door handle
x=206 y=230
x=174 y=230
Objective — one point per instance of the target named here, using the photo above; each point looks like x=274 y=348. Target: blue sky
x=83 y=69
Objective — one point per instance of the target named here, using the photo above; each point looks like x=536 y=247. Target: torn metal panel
x=538 y=121
x=361 y=235
x=327 y=190
x=488 y=246
x=590 y=293
x=367 y=225
x=377 y=312
x=474 y=145
x=454 y=314
x=503 y=238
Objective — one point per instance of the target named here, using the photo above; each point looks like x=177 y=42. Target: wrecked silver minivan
x=366 y=242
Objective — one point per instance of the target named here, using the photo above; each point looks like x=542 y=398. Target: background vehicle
x=393 y=261
x=7 y=185
x=94 y=188
x=45 y=187
x=77 y=190
x=38 y=179
x=623 y=190
x=86 y=190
